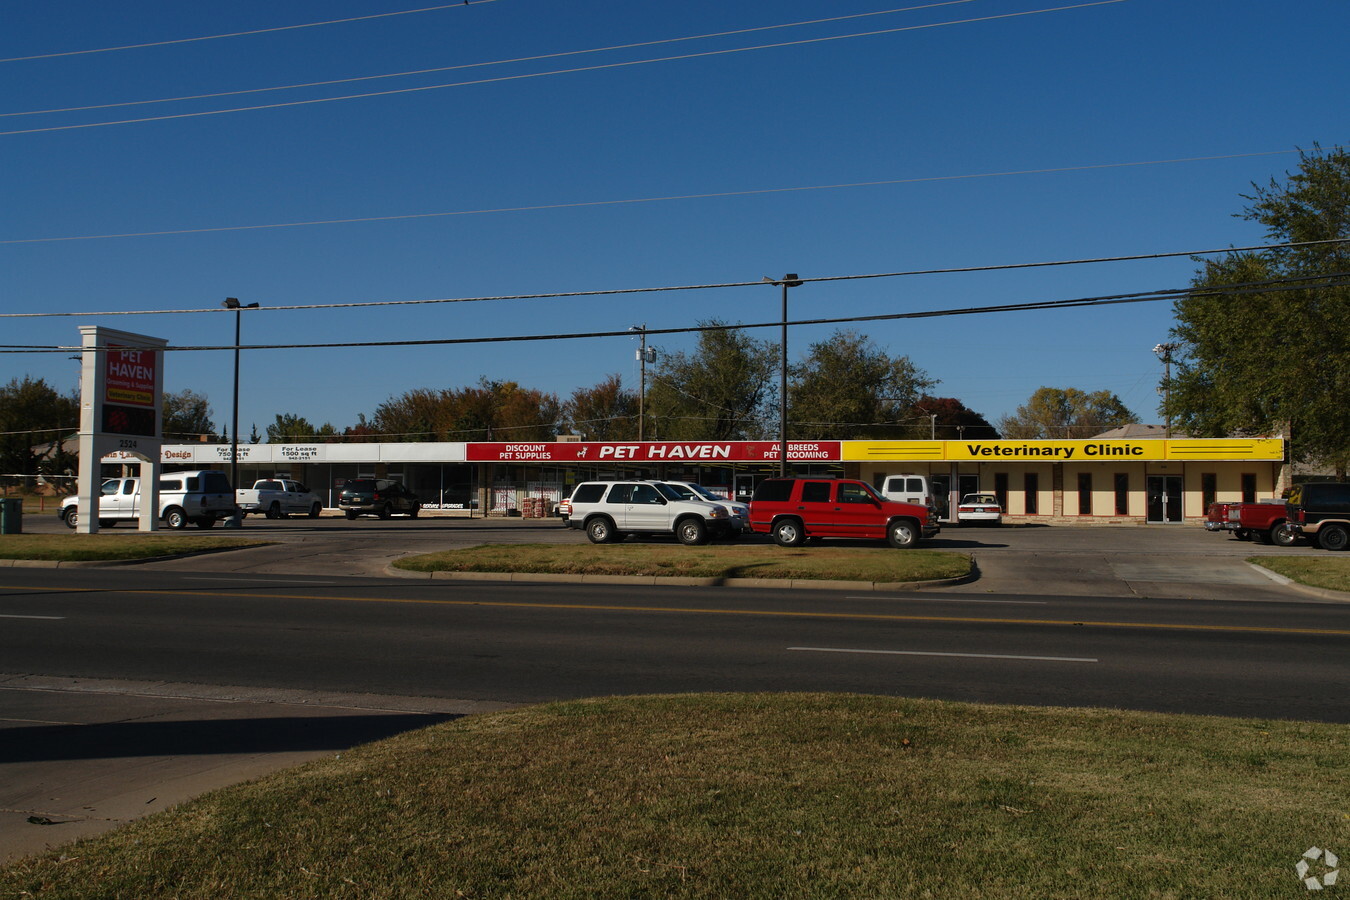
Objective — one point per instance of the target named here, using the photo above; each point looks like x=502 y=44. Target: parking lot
x=1107 y=561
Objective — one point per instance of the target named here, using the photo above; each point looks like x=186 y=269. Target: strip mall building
x=1106 y=480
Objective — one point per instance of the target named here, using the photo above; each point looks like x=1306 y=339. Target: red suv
x=794 y=509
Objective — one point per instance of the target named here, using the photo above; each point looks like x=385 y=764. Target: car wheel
x=71 y=517
x=1282 y=535
x=175 y=518
x=274 y=511
x=351 y=514
x=412 y=513
x=1241 y=534
x=1333 y=537
x=600 y=530
x=386 y=511
x=315 y=510
x=788 y=533
x=902 y=534
x=691 y=532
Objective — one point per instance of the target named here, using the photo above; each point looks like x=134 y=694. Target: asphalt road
x=248 y=661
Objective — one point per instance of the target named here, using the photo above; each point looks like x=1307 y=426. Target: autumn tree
x=605 y=412
x=721 y=391
x=947 y=418
x=847 y=387
x=489 y=411
x=1256 y=358
x=1064 y=413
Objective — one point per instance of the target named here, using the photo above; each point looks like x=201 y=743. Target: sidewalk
x=83 y=756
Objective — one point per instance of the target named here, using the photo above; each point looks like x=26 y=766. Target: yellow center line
x=771 y=613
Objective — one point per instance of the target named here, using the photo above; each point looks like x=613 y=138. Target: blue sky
x=971 y=136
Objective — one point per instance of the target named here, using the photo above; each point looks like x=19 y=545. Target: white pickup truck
x=278 y=498
x=202 y=497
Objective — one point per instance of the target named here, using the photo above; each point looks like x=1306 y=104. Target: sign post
x=121 y=408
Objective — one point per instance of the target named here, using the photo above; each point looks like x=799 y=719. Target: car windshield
x=981 y=498
x=683 y=491
x=668 y=491
x=363 y=484
x=705 y=493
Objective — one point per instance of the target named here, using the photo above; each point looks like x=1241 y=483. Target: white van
x=908 y=489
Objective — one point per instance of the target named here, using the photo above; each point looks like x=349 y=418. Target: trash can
x=11 y=515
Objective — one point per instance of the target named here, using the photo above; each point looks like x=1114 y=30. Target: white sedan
x=979 y=509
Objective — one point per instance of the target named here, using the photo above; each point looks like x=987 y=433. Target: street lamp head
x=231 y=303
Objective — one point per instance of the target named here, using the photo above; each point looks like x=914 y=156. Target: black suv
x=377 y=497
x=1320 y=511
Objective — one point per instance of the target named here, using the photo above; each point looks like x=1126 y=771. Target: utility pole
x=1165 y=352
x=787 y=281
x=644 y=356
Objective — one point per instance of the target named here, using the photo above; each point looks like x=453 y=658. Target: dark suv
x=377 y=497
x=1320 y=511
x=794 y=509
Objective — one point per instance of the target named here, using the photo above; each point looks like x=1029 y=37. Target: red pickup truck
x=1265 y=523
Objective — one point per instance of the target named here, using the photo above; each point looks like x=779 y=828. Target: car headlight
x=719 y=512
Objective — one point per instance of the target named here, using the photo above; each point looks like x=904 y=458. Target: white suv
x=609 y=510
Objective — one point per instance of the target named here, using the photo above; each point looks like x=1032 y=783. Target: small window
x=194 y=483
x=853 y=493
x=1085 y=493
x=1031 y=493
x=1209 y=489
x=1122 y=493
x=815 y=492
x=111 y=487
x=914 y=485
x=1248 y=487
x=773 y=490
x=645 y=493
x=621 y=493
x=1001 y=489
x=588 y=493
x=170 y=484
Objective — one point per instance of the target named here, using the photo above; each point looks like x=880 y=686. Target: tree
x=955 y=421
x=1054 y=413
x=847 y=387
x=723 y=391
x=605 y=412
x=493 y=410
x=291 y=429
x=1274 y=362
x=32 y=413
x=187 y=417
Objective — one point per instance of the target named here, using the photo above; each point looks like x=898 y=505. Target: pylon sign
x=121 y=410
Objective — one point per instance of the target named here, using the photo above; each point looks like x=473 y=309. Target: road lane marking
x=761 y=613
x=954 y=600
x=7 y=616
x=1081 y=659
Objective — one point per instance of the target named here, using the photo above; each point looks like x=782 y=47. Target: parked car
x=277 y=498
x=1216 y=517
x=1265 y=522
x=610 y=510
x=202 y=497
x=1320 y=511
x=792 y=510
x=740 y=512
x=979 y=509
x=377 y=497
x=908 y=489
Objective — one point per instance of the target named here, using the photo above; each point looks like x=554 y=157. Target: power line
x=594 y=68
x=583 y=204
x=688 y=287
x=1334 y=279
x=233 y=34
x=498 y=62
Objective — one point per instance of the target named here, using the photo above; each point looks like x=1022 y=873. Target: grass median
x=114 y=547
x=1331 y=573
x=753 y=796
x=872 y=564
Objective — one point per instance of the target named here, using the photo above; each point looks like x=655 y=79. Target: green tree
x=1274 y=362
x=605 y=412
x=1055 y=413
x=492 y=410
x=722 y=391
x=292 y=429
x=847 y=387
x=32 y=413
x=187 y=417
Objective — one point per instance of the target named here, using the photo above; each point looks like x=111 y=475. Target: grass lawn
x=88 y=547
x=753 y=796
x=875 y=564
x=1331 y=572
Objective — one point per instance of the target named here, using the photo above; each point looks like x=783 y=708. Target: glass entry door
x=1164 y=498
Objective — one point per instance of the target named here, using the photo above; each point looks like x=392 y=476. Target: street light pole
x=787 y=281
x=234 y=304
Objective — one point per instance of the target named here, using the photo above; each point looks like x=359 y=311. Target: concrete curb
x=1322 y=593
x=678 y=581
